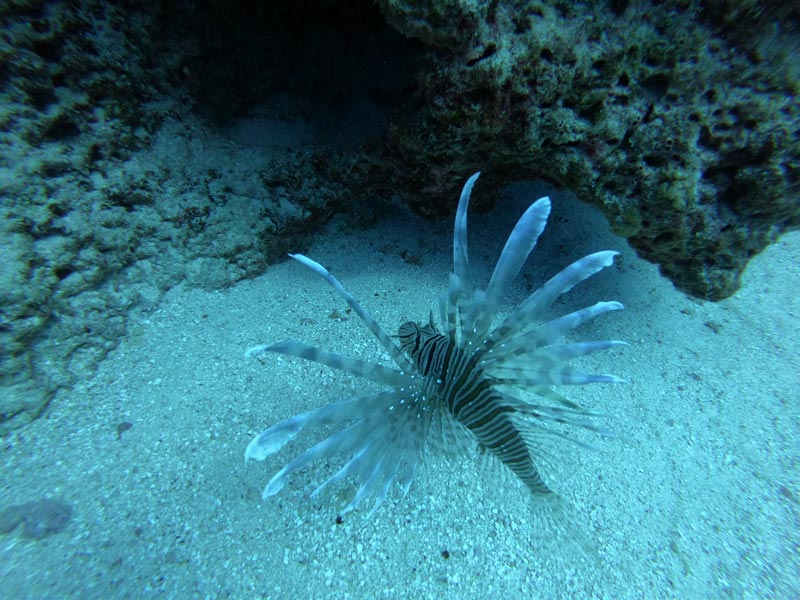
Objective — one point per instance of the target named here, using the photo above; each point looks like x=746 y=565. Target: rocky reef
x=150 y=144
x=679 y=120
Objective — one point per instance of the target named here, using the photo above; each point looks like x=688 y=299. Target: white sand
x=698 y=495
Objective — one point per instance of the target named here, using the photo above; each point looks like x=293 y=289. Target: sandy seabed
x=696 y=495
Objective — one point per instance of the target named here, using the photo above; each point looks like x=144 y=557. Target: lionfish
x=469 y=384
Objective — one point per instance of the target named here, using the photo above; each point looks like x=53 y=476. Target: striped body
x=461 y=386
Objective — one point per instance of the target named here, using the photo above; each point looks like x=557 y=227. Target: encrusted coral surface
x=682 y=128
x=112 y=191
x=147 y=144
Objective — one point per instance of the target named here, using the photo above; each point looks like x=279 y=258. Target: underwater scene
x=501 y=300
